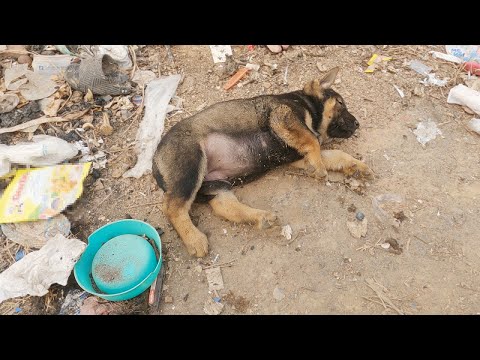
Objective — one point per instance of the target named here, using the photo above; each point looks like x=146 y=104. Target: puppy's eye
x=340 y=102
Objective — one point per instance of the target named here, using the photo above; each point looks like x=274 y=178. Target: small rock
x=357 y=229
x=198 y=268
x=360 y=216
x=168 y=299
x=24 y=59
x=214 y=278
x=385 y=245
x=321 y=67
x=98 y=185
x=267 y=85
x=278 y=294
x=392 y=69
x=419 y=91
x=188 y=82
x=287 y=232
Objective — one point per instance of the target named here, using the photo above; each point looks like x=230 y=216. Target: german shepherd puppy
x=233 y=142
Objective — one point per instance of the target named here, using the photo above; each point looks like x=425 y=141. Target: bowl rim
x=155 y=270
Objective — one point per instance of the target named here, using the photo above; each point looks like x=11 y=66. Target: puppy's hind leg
x=181 y=177
x=176 y=210
x=225 y=204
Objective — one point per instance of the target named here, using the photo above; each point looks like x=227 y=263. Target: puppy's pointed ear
x=316 y=87
x=329 y=78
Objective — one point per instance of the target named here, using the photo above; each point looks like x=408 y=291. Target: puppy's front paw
x=266 y=220
x=319 y=172
x=358 y=169
x=197 y=245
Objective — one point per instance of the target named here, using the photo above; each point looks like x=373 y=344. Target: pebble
x=360 y=216
x=278 y=294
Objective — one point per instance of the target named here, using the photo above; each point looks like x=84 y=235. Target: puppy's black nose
x=357 y=124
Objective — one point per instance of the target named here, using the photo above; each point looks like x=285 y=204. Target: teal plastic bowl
x=119 y=260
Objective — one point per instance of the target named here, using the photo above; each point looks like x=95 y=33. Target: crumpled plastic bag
x=463 y=95
x=33 y=274
x=44 y=150
x=157 y=96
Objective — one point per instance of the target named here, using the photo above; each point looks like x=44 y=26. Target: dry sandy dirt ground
x=433 y=265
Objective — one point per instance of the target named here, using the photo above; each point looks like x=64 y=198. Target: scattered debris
x=212 y=308
x=143 y=77
x=219 y=52
x=254 y=67
x=43 y=120
x=474 y=125
x=419 y=91
x=19 y=254
x=379 y=289
x=35 y=234
x=168 y=299
x=287 y=232
x=93 y=306
x=277 y=48
x=278 y=294
x=60 y=186
x=50 y=106
x=375 y=61
x=446 y=57
x=238 y=303
x=431 y=79
x=420 y=67
x=426 y=131
x=385 y=245
x=100 y=75
x=400 y=92
x=157 y=96
x=394 y=246
x=105 y=128
x=49 y=65
x=352 y=208
x=322 y=67
x=34 y=274
x=214 y=278
x=44 y=150
x=235 y=78
x=463 y=95
x=155 y=292
x=358 y=228
x=119 y=53
x=73 y=302
x=472 y=67
x=464 y=52
x=400 y=216
x=8 y=102
x=392 y=203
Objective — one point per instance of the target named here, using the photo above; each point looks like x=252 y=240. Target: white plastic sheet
x=157 y=96
x=34 y=274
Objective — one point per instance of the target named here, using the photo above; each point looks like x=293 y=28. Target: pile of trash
x=57 y=104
